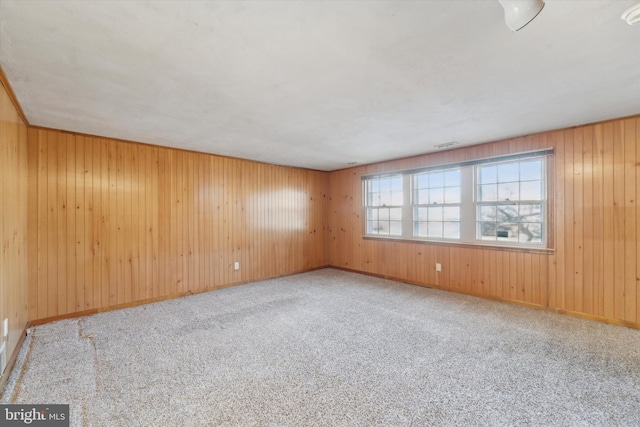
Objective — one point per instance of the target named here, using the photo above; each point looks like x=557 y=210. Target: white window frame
x=380 y=205
x=469 y=232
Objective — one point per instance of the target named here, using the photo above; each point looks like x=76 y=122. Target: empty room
x=320 y=213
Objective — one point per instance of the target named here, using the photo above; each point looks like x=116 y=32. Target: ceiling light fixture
x=518 y=13
x=632 y=15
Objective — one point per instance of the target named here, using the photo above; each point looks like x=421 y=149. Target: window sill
x=467 y=245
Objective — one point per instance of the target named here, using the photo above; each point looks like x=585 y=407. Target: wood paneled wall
x=13 y=221
x=595 y=269
x=114 y=223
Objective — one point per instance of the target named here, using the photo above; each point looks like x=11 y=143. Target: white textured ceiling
x=317 y=84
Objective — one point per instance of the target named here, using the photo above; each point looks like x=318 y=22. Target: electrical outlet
x=438 y=266
x=5 y=327
x=236 y=265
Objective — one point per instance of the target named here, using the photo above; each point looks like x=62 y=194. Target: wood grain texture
x=593 y=271
x=114 y=223
x=14 y=199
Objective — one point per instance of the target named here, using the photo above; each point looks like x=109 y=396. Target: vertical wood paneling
x=15 y=279
x=52 y=225
x=593 y=270
x=630 y=225
x=588 y=228
x=597 y=215
x=637 y=237
x=33 y=271
x=578 y=219
x=569 y=222
x=618 y=220
x=72 y=187
x=608 y=227
x=41 y=225
x=116 y=223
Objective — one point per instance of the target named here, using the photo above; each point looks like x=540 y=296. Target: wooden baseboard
x=424 y=285
x=508 y=301
x=76 y=314
x=601 y=319
x=12 y=360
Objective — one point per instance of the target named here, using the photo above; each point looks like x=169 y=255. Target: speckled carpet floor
x=332 y=348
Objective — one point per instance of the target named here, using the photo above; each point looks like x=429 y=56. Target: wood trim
x=466 y=245
x=150 y=144
x=160 y=298
x=12 y=96
x=4 y=376
x=632 y=325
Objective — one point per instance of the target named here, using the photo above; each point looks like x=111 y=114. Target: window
x=509 y=201
x=436 y=204
x=384 y=205
x=498 y=201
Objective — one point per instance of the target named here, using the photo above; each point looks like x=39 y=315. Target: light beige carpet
x=334 y=349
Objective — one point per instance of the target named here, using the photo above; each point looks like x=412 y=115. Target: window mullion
x=407 y=208
x=467 y=205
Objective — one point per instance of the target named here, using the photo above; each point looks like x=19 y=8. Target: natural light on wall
x=284 y=209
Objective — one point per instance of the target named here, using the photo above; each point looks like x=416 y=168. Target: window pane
x=435 y=214
x=487 y=230
x=531 y=190
x=508 y=172
x=383 y=213
x=436 y=179
x=422 y=197
x=508 y=191
x=488 y=193
x=420 y=214
x=383 y=227
x=531 y=213
x=507 y=232
x=372 y=214
x=395 y=214
x=487 y=213
x=396 y=198
x=436 y=195
x=374 y=185
x=507 y=213
x=378 y=227
x=395 y=228
x=385 y=199
x=452 y=195
x=422 y=180
x=531 y=232
x=435 y=229
x=530 y=170
x=451 y=213
x=396 y=183
x=420 y=229
x=488 y=174
x=452 y=178
x=452 y=230
x=385 y=185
